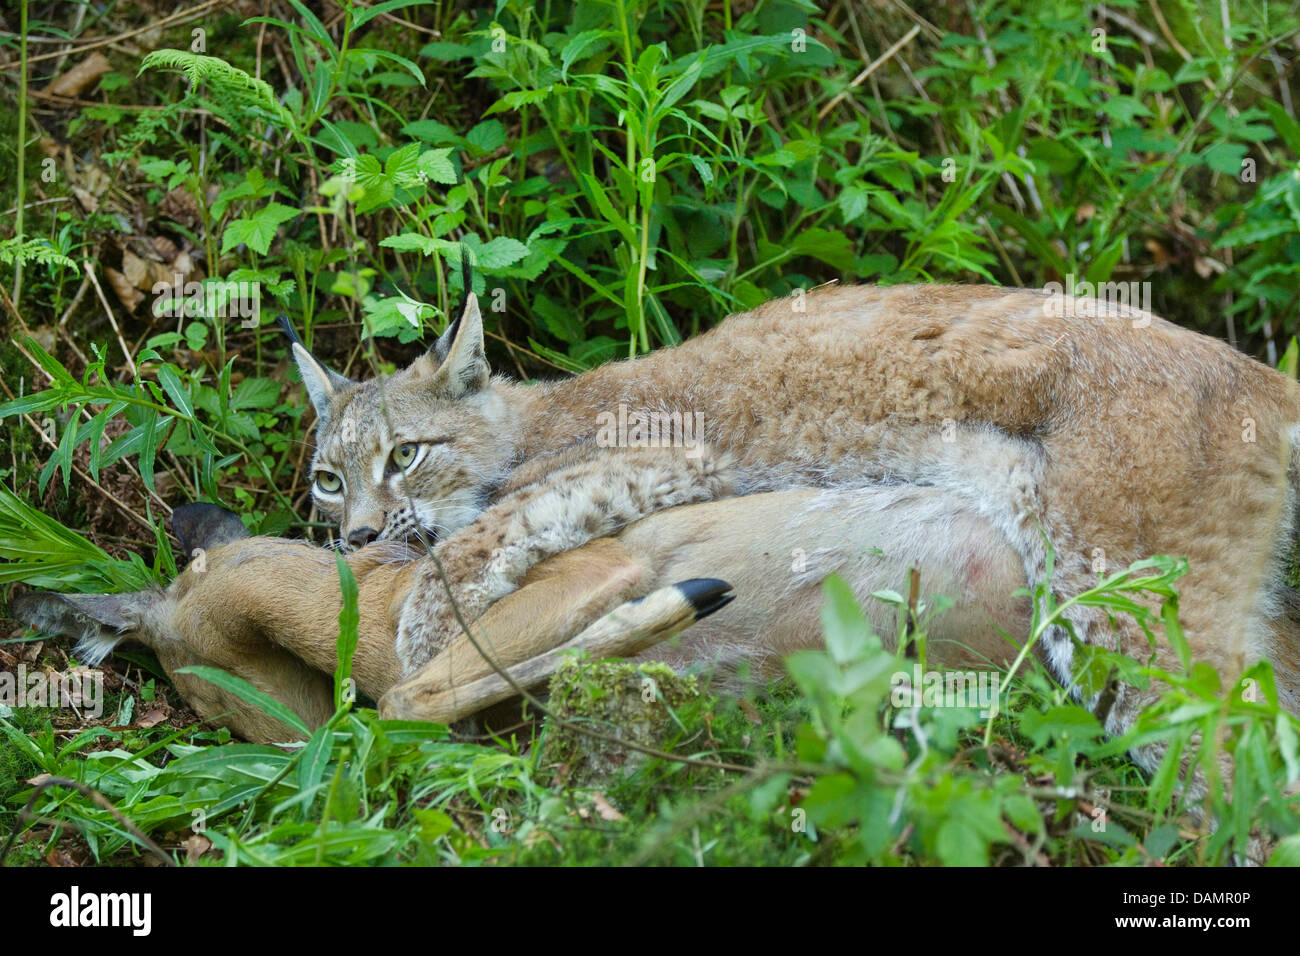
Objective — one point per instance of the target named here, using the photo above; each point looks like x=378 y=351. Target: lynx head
x=414 y=453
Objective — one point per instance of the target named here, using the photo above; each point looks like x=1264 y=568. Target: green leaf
x=584 y=44
x=487 y=136
x=701 y=167
x=402 y=168
x=846 y=628
x=349 y=617
x=257 y=230
x=196 y=336
x=833 y=248
x=499 y=253
x=67 y=445
x=51 y=365
x=148 y=447
x=446 y=51
x=958 y=844
x=315 y=27
x=1287 y=852
x=432 y=132
x=362 y=15
x=415 y=242
x=1286 y=127
x=1225 y=158
x=437 y=165
x=315 y=758
x=853 y=203
x=1174 y=629
x=250 y=695
x=255 y=393
x=171 y=384
x=1066 y=720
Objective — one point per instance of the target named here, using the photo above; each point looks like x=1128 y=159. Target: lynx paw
x=429 y=620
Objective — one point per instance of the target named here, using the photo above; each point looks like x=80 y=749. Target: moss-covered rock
x=644 y=703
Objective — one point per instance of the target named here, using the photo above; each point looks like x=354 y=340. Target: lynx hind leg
x=561 y=510
x=627 y=630
x=1004 y=478
x=1001 y=477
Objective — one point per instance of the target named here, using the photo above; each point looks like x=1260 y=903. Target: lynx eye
x=328 y=483
x=404 y=454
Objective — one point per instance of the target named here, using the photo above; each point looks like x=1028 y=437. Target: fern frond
x=24 y=251
x=220 y=76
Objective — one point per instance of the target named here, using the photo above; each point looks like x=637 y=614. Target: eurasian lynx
x=1106 y=432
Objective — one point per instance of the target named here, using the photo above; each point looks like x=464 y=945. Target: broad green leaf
x=498 y=253
x=257 y=230
x=846 y=628
x=255 y=393
x=487 y=136
x=251 y=695
x=438 y=166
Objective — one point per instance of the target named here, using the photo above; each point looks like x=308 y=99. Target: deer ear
x=462 y=366
x=322 y=384
x=206 y=526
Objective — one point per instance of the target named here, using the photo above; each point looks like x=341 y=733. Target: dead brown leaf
x=195 y=846
x=1206 y=267
x=1158 y=252
x=88 y=202
x=126 y=291
x=60 y=857
x=136 y=270
x=152 y=718
x=81 y=77
x=605 y=808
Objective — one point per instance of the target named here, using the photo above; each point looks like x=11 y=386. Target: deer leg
x=560 y=600
x=627 y=630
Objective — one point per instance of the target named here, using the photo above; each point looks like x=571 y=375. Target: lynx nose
x=361 y=537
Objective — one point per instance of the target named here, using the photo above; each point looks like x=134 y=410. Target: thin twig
x=76 y=301
x=876 y=64
x=180 y=16
x=130 y=362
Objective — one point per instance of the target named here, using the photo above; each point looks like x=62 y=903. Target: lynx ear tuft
x=322 y=383
x=457 y=361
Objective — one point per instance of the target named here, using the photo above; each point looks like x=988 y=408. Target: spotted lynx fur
x=1105 y=431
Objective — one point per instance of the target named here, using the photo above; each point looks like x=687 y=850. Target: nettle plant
x=640 y=170
x=626 y=189
x=1034 y=775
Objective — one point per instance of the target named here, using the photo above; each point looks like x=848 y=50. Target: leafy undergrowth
x=857 y=762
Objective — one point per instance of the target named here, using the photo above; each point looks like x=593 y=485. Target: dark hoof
x=706 y=595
